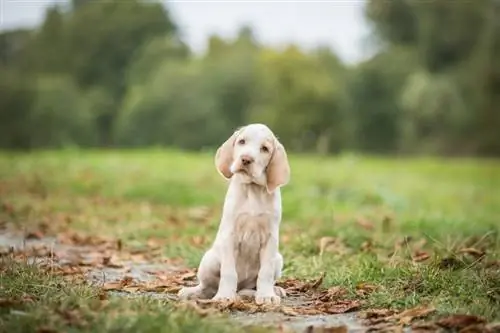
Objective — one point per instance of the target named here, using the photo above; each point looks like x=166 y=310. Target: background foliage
x=116 y=73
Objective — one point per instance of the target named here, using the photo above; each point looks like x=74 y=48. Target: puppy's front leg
x=265 y=280
x=228 y=282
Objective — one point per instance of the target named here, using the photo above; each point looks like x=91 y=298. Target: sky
x=338 y=24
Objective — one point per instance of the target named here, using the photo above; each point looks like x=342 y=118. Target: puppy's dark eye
x=241 y=141
x=264 y=149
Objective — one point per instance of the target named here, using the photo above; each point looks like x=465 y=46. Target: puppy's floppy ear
x=224 y=156
x=278 y=169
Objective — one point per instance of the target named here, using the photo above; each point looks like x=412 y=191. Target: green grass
x=136 y=195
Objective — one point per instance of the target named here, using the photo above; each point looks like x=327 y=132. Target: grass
x=382 y=212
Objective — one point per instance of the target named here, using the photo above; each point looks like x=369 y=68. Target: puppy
x=244 y=259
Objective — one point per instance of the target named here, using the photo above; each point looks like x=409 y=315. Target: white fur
x=244 y=259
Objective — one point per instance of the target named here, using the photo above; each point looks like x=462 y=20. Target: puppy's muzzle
x=246 y=160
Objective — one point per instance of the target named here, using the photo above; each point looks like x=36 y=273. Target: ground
x=390 y=242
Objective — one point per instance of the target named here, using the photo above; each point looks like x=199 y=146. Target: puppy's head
x=254 y=152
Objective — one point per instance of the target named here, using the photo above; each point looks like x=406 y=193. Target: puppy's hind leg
x=208 y=277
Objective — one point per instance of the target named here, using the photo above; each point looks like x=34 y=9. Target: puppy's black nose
x=246 y=160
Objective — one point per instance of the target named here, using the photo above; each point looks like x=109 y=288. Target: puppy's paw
x=225 y=297
x=267 y=299
x=189 y=293
x=279 y=291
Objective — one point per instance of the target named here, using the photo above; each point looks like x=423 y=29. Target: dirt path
x=136 y=272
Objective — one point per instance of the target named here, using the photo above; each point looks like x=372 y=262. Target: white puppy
x=244 y=258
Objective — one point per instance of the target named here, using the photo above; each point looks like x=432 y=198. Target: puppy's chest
x=251 y=232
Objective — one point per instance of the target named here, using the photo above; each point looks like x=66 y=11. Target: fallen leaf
x=332 y=293
x=376 y=313
x=131 y=289
x=8 y=302
x=478 y=328
x=367 y=246
x=364 y=289
x=365 y=224
x=34 y=235
x=338 y=307
x=384 y=327
x=420 y=256
x=288 y=311
x=473 y=252
x=459 y=321
x=407 y=316
x=331 y=245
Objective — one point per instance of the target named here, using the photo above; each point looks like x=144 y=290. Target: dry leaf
x=288 y=311
x=338 y=307
x=365 y=224
x=479 y=328
x=331 y=245
x=473 y=252
x=424 y=327
x=459 y=321
x=376 y=313
x=34 y=235
x=420 y=256
x=364 y=289
x=332 y=294
x=407 y=316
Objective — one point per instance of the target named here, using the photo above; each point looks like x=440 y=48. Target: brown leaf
x=34 y=235
x=365 y=224
x=72 y=317
x=473 y=252
x=420 y=256
x=385 y=327
x=407 y=316
x=458 y=321
x=8 y=302
x=338 y=307
x=112 y=286
x=493 y=327
x=294 y=285
x=131 y=289
x=424 y=328
x=367 y=246
x=364 y=289
x=332 y=294
x=288 y=311
x=377 y=313
x=479 y=328
x=332 y=245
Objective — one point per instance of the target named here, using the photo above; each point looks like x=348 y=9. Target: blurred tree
x=12 y=47
x=458 y=47
x=17 y=95
x=301 y=97
x=46 y=51
x=102 y=40
x=59 y=116
x=395 y=21
x=374 y=90
x=231 y=67
x=172 y=105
